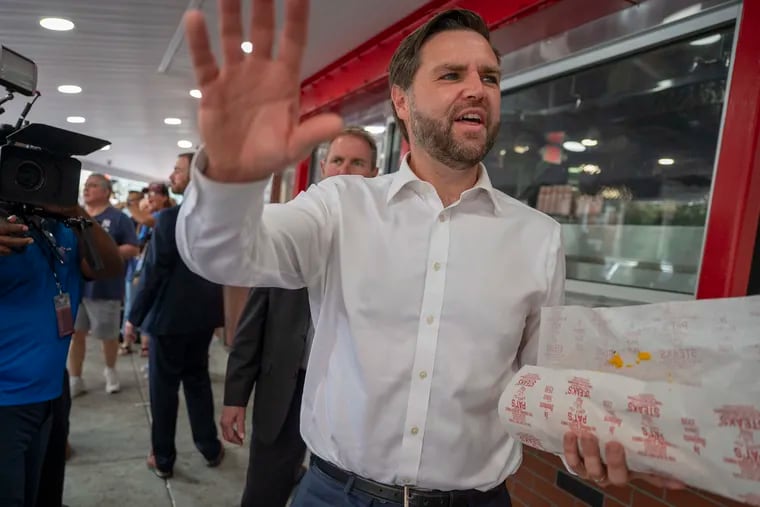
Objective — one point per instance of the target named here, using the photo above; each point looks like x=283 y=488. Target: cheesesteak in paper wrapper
x=678 y=384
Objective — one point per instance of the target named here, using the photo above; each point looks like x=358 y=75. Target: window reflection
x=622 y=155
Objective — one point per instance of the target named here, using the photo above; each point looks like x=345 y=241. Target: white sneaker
x=76 y=386
x=112 y=380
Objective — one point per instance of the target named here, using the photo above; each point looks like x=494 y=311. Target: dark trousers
x=273 y=467
x=319 y=490
x=24 y=433
x=50 y=493
x=174 y=359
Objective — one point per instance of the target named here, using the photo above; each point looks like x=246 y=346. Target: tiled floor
x=110 y=435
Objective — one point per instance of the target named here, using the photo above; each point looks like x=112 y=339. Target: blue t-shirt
x=32 y=355
x=119 y=226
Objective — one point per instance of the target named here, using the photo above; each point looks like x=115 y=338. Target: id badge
x=63 y=314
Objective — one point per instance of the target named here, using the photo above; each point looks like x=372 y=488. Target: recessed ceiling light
x=75 y=119
x=666 y=161
x=375 y=129
x=705 y=41
x=589 y=142
x=172 y=121
x=591 y=169
x=184 y=143
x=247 y=47
x=69 y=89
x=57 y=24
x=573 y=146
x=196 y=93
x=106 y=147
x=521 y=148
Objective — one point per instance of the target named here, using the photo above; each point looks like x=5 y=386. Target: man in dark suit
x=270 y=350
x=180 y=311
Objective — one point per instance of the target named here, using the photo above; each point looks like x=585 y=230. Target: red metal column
x=302 y=176
x=732 y=223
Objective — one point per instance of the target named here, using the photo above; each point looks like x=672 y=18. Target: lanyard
x=51 y=252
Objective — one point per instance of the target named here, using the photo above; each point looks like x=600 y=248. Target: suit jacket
x=268 y=350
x=177 y=300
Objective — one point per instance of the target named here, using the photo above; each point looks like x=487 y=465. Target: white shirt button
x=437 y=266
x=415 y=430
x=441 y=218
x=430 y=319
x=423 y=374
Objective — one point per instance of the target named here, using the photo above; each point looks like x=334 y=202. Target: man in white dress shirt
x=425 y=285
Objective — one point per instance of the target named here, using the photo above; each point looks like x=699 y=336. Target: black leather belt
x=395 y=494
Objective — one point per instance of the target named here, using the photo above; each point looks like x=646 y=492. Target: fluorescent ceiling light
x=184 y=143
x=375 y=129
x=666 y=161
x=57 y=24
x=704 y=41
x=247 y=47
x=684 y=13
x=589 y=142
x=573 y=146
x=521 y=148
x=196 y=93
x=69 y=89
x=172 y=121
x=75 y=119
x=591 y=169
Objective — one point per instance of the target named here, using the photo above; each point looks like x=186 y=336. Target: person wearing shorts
x=100 y=310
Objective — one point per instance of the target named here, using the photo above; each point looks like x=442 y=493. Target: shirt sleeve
x=127 y=235
x=554 y=296
x=226 y=234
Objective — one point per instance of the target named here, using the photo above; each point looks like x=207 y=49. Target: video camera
x=36 y=161
x=37 y=165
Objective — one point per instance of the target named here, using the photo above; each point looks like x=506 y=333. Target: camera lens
x=29 y=176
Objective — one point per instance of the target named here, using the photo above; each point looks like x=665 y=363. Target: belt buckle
x=406 y=496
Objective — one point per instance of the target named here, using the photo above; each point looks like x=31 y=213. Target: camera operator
x=41 y=277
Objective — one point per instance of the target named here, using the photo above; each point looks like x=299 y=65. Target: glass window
x=622 y=155
x=395 y=136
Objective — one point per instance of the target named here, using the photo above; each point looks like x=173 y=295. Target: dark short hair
x=362 y=134
x=406 y=60
x=188 y=155
x=159 y=188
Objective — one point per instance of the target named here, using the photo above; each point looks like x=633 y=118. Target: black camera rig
x=38 y=171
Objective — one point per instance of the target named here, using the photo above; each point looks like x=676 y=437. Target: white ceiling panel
x=114 y=54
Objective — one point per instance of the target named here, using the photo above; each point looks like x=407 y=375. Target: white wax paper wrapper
x=672 y=382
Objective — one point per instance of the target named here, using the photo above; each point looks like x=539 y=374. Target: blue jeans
x=318 y=490
x=128 y=289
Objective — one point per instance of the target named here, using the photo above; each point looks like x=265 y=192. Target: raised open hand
x=249 y=112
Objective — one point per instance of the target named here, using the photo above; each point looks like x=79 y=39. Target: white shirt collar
x=405 y=176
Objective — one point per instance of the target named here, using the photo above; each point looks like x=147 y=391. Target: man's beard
x=437 y=138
